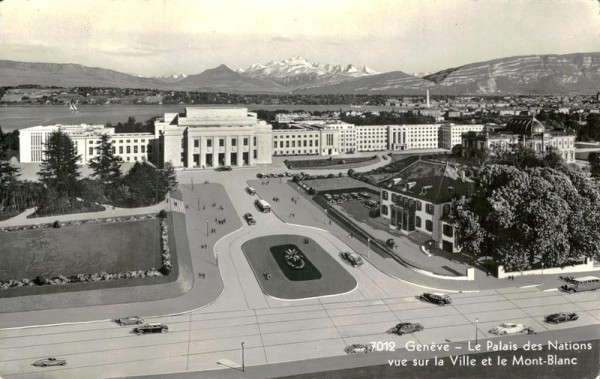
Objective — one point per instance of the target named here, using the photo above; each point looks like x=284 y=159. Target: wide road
x=274 y=330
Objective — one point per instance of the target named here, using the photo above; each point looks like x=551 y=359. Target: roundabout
x=293 y=267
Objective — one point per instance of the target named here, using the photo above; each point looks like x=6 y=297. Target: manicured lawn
x=71 y=250
x=331 y=279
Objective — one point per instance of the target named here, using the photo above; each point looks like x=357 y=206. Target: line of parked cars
x=143 y=328
x=441 y=299
x=339 y=198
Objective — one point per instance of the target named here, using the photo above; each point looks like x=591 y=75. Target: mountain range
x=577 y=73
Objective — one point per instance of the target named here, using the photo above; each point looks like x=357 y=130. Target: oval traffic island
x=293 y=267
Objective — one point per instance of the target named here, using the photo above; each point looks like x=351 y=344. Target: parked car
x=260 y=175
x=359 y=348
x=130 y=320
x=150 y=328
x=352 y=257
x=557 y=318
x=46 y=362
x=365 y=195
x=249 y=219
x=436 y=298
x=390 y=242
x=384 y=157
x=224 y=168
x=508 y=328
x=407 y=327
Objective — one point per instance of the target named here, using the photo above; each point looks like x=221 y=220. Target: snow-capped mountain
x=298 y=72
x=171 y=78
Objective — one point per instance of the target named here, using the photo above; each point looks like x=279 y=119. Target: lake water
x=13 y=118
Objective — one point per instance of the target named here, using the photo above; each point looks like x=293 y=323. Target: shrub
x=162 y=214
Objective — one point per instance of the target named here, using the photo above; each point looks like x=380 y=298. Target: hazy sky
x=155 y=37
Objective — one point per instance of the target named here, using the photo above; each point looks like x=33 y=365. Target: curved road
x=274 y=330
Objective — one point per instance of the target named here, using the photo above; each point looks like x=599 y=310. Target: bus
x=584 y=283
x=263 y=206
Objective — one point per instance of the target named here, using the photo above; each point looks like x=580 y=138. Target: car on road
x=509 y=328
x=353 y=258
x=436 y=298
x=249 y=219
x=407 y=327
x=359 y=348
x=47 y=362
x=557 y=318
x=224 y=168
x=585 y=283
x=130 y=320
x=150 y=328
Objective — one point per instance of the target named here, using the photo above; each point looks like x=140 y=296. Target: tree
x=167 y=180
x=523 y=217
x=59 y=169
x=457 y=150
x=106 y=165
x=594 y=160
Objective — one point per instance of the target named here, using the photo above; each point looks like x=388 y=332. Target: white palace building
x=213 y=136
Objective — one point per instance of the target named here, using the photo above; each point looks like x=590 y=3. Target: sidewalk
x=22 y=219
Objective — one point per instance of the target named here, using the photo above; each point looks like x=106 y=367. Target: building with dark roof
x=525 y=131
x=417 y=199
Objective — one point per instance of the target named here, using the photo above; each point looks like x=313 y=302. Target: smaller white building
x=451 y=134
x=130 y=147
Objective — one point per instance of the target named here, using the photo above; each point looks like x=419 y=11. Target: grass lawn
x=88 y=248
x=325 y=277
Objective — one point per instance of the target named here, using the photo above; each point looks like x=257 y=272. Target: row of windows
x=123 y=149
x=300 y=144
x=221 y=141
x=288 y=152
x=296 y=136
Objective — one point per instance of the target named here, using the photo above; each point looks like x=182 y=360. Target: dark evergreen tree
x=59 y=169
x=106 y=165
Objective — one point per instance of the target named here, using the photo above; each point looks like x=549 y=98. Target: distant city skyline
x=154 y=38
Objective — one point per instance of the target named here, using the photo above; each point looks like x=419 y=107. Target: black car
x=557 y=318
x=407 y=327
x=224 y=168
x=150 y=329
x=249 y=219
x=354 y=259
x=436 y=298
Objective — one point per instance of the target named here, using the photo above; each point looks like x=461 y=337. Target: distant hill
x=74 y=75
x=531 y=74
x=224 y=79
x=390 y=83
x=69 y=75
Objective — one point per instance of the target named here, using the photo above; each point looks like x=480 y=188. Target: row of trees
x=527 y=210
x=62 y=190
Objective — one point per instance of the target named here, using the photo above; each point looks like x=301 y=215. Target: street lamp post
x=206 y=227
x=476 y=322
x=243 y=361
x=198 y=197
x=542 y=274
x=368 y=248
